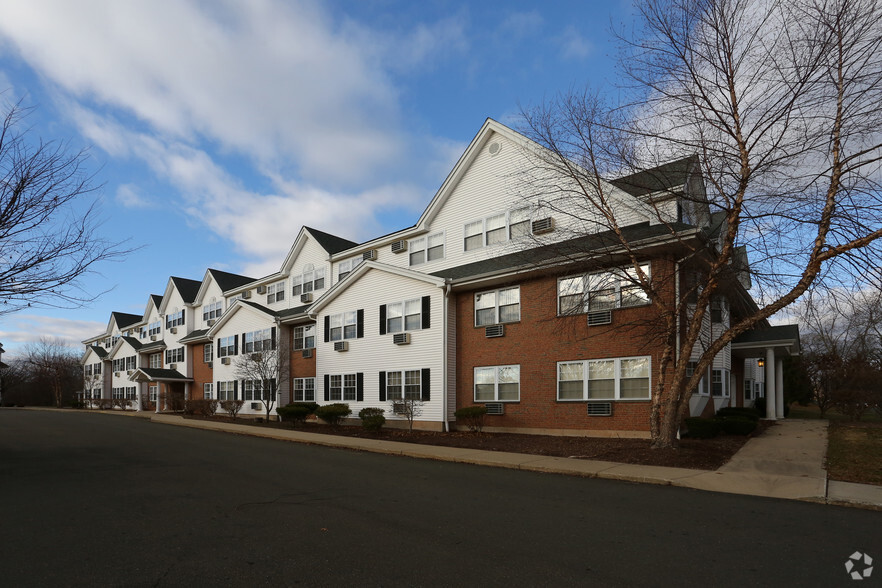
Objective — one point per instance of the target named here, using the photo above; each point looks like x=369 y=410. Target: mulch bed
x=701 y=454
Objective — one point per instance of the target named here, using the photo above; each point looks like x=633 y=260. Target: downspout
x=677 y=319
x=444 y=358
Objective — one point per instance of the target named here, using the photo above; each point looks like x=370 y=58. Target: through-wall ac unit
x=600 y=409
x=306 y=298
x=255 y=406
x=210 y=364
x=543 y=225
x=261 y=289
x=225 y=360
x=494 y=331
x=399 y=246
x=130 y=372
x=401 y=338
x=599 y=317
x=211 y=322
x=307 y=353
x=399 y=408
x=116 y=374
x=246 y=294
x=369 y=255
x=153 y=337
x=495 y=408
x=256 y=357
x=172 y=366
x=173 y=330
x=341 y=345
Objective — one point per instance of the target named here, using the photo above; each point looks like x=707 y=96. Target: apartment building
x=491 y=297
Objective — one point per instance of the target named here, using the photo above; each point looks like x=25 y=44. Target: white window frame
x=349 y=265
x=226 y=390
x=226 y=346
x=212 y=310
x=153 y=392
x=723 y=375
x=504 y=229
x=496 y=370
x=584 y=285
x=401 y=309
x=174 y=355
x=411 y=389
x=156 y=360
x=340 y=322
x=305 y=388
x=309 y=279
x=207 y=389
x=257 y=341
x=302 y=336
x=496 y=306
x=154 y=328
x=424 y=245
x=617 y=379
x=208 y=353
x=175 y=319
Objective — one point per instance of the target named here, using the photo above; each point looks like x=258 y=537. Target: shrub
x=232 y=407
x=700 y=428
x=200 y=407
x=760 y=405
x=310 y=406
x=122 y=403
x=295 y=413
x=372 y=419
x=333 y=413
x=472 y=417
x=105 y=403
x=738 y=425
x=739 y=411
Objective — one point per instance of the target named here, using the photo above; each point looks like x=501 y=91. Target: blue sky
x=217 y=129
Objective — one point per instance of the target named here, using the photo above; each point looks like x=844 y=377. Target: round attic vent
x=494 y=148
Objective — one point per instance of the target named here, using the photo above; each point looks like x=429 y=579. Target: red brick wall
x=539 y=341
x=201 y=372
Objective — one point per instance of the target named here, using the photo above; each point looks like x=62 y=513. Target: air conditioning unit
x=153 y=337
x=399 y=408
x=600 y=409
x=255 y=406
x=210 y=364
x=306 y=298
x=116 y=374
x=261 y=289
x=543 y=225
x=246 y=294
x=369 y=255
x=599 y=317
x=495 y=408
x=211 y=322
x=494 y=331
x=341 y=345
x=225 y=360
x=399 y=246
x=173 y=330
x=256 y=357
x=307 y=353
x=172 y=366
x=401 y=338
x=130 y=372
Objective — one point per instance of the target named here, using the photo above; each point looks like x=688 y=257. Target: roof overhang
x=158 y=375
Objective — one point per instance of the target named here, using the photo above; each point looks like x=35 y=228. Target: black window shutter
x=327 y=386
x=426 y=383
x=273 y=337
x=243 y=344
x=359 y=386
x=327 y=328
x=382 y=386
x=426 y=311
x=382 y=319
x=235 y=389
x=236 y=344
x=359 y=325
x=217 y=349
x=184 y=316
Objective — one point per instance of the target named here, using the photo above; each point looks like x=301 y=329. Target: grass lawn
x=854 y=449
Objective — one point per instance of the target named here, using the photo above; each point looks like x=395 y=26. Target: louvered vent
x=307 y=353
x=494 y=331
x=369 y=255
x=495 y=408
x=399 y=246
x=600 y=409
x=543 y=225
x=341 y=346
x=599 y=317
x=401 y=338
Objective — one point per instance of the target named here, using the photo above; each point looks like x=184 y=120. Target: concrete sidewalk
x=787 y=461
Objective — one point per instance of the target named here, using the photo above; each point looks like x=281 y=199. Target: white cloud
x=21 y=329
x=519 y=25
x=130 y=196
x=574 y=45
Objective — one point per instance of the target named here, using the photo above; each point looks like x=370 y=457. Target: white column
x=770 y=383
x=779 y=388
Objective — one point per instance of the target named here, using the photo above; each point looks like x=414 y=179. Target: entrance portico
x=173 y=380
x=770 y=346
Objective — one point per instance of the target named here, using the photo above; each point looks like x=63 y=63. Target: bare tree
x=48 y=221
x=54 y=365
x=260 y=371
x=410 y=408
x=776 y=105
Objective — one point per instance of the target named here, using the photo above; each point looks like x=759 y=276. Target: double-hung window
x=347 y=266
x=207 y=389
x=617 y=288
x=212 y=311
x=208 y=353
x=309 y=280
x=404 y=316
x=404 y=385
x=343 y=326
x=604 y=379
x=174 y=319
x=226 y=390
x=154 y=328
x=262 y=340
x=275 y=292
x=131 y=362
x=720 y=383
x=156 y=360
x=228 y=346
x=304 y=337
x=498 y=383
x=518 y=223
x=426 y=249
x=495 y=229
x=174 y=355
x=304 y=389
x=498 y=306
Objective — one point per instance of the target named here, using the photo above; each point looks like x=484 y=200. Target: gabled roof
x=133 y=342
x=188 y=289
x=239 y=305
x=362 y=269
x=99 y=351
x=156 y=299
x=158 y=375
x=152 y=346
x=331 y=243
x=197 y=336
x=124 y=319
x=227 y=281
x=771 y=336
x=664 y=177
x=564 y=251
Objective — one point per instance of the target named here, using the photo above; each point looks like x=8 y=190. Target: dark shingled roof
x=124 y=319
x=152 y=346
x=163 y=374
x=157 y=300
x=560 y=252
x=259 y=307
x=227 y=281
x=187 y=288
x=291 y=312
x=99 y=351
x=663 y=177
x=133 y=342
x=194 y=336
x=779 y=333
x=331 y=243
